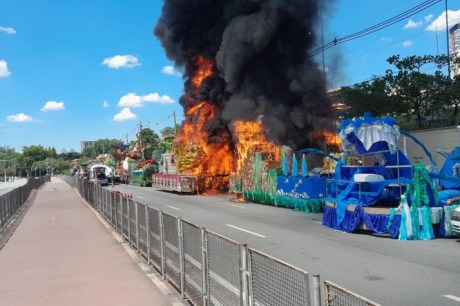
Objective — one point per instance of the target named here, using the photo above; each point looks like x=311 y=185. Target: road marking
x=172 y=207
x=243 y=230
x=139 y=197
x=238 y=206
x=452 y=297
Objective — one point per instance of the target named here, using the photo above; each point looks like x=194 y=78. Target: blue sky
x=90 y=69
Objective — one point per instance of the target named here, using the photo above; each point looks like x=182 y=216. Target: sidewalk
x=62 y=254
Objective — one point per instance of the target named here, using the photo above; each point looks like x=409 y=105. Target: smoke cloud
x=262 y=67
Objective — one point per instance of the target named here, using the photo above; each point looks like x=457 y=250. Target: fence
x=12 y=201
x=336 y=296
x=207 y=268
x=429 y=124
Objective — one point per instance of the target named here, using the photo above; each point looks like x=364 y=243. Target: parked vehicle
x=100 y=179
x=455 y=220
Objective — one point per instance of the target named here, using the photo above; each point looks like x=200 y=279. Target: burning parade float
x=254 y=98
x=250 y=88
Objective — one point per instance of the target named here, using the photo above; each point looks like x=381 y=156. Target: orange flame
x=251 y=138
x=197 y=155
x=330 y=138
x=226 y=154
x=204 y=70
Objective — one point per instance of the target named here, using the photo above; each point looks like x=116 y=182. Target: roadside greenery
x=37 y=160
x=414 y=89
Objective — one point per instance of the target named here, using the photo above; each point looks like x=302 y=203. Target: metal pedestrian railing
x=13 y=200
x=207 y=268
x=336 y=296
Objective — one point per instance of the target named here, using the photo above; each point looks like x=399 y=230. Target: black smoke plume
x=262 y=67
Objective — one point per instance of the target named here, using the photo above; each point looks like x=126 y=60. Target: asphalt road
x=385 y=270
x=8 y=186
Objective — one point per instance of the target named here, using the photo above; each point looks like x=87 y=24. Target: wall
x=443 y=138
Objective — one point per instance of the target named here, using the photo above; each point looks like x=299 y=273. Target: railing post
x=316 y=290
x=121 y=210
x=244 y=273
x=137 y=226
x=204 y=265
x=112 y=201
x=162 y=244
x=181 y=256
x=129 y=221
x=147 y=228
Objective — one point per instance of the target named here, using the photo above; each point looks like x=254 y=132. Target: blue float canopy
x=450 y=170
x=369 y=134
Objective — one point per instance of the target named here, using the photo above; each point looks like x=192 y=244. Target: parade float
x=134 y=166
x=376 y=188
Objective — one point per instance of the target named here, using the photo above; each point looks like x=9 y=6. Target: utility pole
x=447 y=35
x=175 y=125
x=322 y=45
x=139 y=135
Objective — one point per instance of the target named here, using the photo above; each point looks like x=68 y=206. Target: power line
x=377 y=27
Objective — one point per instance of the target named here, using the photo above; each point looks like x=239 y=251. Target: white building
x=454 y=48
x=86 y=144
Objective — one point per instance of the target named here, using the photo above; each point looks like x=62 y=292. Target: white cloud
x=121 y=61
x=385 y=39
x=124 y=114
x=412 y=24
x=19 y=118
x=133 y=100
x=53 y=106
x=4 y=69
x=156 y=98
x=428 y=17
x=170 y=71
x=439 y=24
x=407 y=43
x=105 y=104
x=7 y=30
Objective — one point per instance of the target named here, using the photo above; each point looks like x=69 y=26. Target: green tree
x=168 y=134
x=55 y=165
x=33 y=155
x=170 y=131
x=69 y=155
x=419 y=92
x=102 y=146
x=8 y=162
x=370 y=96
x=149 y=141
x=454 y=94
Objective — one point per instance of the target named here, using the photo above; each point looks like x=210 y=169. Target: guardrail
x=205 y=267
x=13 y=200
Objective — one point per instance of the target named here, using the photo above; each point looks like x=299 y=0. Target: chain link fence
x=337 y=296
x=274 y=282
x=207 y=268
